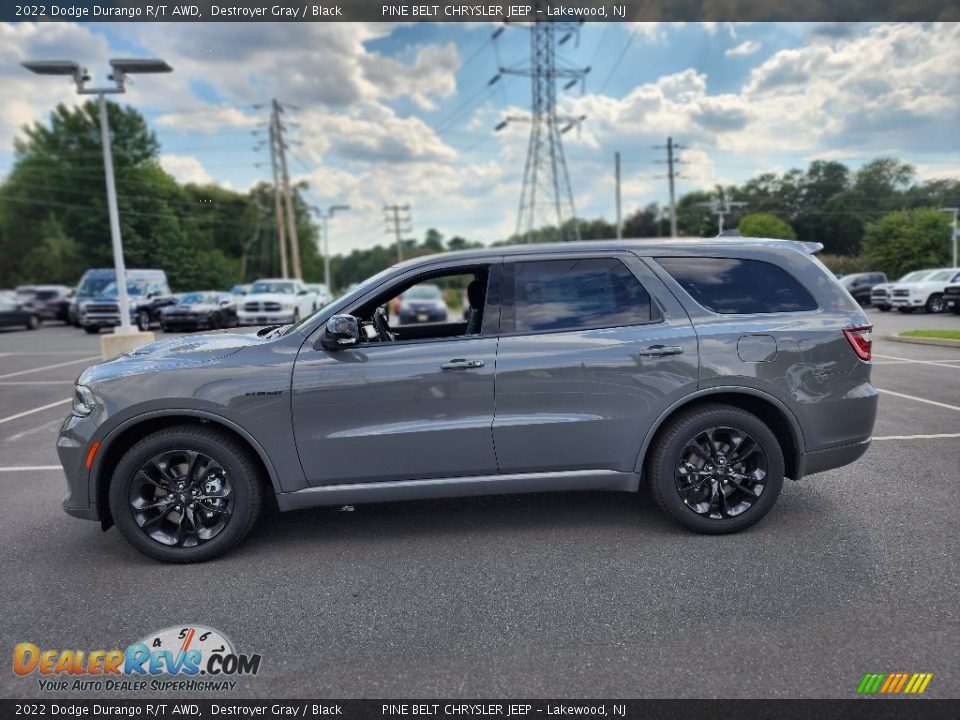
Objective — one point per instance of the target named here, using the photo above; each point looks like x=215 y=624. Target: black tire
x=956 y=309
x=143 y=321
x=238 y=465
x=883 y=308
x=668 y=451
x=91 y=329
x=934 y=304
x=215 y=321
x=33 y=322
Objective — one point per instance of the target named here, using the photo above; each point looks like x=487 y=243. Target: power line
x=672 y=175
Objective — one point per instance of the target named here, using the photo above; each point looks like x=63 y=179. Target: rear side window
x=577 y=294
x=734 y=286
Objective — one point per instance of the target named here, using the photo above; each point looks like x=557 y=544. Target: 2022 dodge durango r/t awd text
x=712 y=368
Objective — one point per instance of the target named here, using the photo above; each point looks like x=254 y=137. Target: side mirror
x=302 y=292
x=225 y=302
x=341 y=331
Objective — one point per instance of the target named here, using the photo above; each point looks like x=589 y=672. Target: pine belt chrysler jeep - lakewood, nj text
x=710 y=368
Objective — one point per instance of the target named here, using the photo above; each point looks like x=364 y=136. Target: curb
x=940 y=342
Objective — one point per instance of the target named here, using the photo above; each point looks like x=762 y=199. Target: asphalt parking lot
x=569 y=595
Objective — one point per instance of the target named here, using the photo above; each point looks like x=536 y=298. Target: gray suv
x=707 y=369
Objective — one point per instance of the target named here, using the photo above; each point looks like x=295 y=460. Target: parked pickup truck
x=926 y=293
x=951 y=298
x=880 y=294
x=276 y=302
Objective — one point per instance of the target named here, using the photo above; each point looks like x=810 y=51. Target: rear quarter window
x=735 y=286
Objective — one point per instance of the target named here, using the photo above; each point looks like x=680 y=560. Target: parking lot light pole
x=120 y=70
x=956 y=231
x=325 y=216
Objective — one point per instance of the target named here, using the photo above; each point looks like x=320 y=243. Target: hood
x=190 y=307
x=193 y=349
x=109 y=298
x=269 y=297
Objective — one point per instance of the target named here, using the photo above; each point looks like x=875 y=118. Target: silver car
x=707 y=370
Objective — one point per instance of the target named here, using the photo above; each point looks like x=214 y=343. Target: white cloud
x=747 y=47
x=186 y=169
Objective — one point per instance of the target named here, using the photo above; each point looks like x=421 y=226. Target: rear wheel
x=934 y=303
x=215 y=322
x=186 y=494
x=143 y=321
x=33 y=322
x=716 y=469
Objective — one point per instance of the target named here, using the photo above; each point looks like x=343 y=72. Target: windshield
x=94 y=285
x=196 y=298
x=280 y=288
x=133 y=288
x=422 y=292
x=941 y=275
x=915 y=276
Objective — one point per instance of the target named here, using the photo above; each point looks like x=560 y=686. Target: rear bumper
x=832 y=458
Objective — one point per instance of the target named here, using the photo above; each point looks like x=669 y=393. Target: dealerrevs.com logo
x=196 y=657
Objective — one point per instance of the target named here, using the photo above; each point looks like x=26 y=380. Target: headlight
x=83 y=401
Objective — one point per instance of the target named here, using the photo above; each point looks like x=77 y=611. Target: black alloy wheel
x=181 y=498
x=186 y=493
x=715 y=468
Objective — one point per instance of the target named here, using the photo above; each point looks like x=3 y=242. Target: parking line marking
x=35 y=410
x=917 y=399
x=50 y=367
x=918 y=437
x=30 y=468
x=938 y=363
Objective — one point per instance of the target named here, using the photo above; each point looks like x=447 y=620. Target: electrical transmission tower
x=671 y=147
x=722 y=206
x=547 y=196
x=397 y=225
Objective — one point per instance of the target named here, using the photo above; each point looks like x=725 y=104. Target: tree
x=909 y=240
x=644 y=223
x=765 y=225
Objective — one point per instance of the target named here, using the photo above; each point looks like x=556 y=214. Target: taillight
x=861 y=340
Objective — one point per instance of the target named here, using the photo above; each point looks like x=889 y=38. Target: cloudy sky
x=405 y=114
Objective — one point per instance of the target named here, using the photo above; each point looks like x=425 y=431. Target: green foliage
x=909 y=240
x=846 y=264
x=765 y=225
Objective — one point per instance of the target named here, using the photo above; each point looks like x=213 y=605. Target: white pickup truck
x=925 y=293
x=276 y=302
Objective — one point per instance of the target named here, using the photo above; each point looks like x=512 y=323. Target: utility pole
x=721 y=207
x=956 y=231
x=277 y=209
x=291 y=216
x=545 y=173
x=672 y=175
x=616 y=173
x=392 y=216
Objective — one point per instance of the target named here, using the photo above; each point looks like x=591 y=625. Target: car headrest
x=475 y=293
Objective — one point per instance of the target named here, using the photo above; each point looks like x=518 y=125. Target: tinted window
x=577 y=294
x=735 y=286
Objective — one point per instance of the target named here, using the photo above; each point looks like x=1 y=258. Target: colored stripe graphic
x=894 y=683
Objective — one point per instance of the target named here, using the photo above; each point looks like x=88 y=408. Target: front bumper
x=283 y=317
x=72 y=446
x=410 y=316
x=185 y=321
x=912 y=301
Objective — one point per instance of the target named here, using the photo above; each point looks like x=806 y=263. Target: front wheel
x=186 y=494
x=934 y=304
x=143 y=321
x=33 y=322
x=716 y=469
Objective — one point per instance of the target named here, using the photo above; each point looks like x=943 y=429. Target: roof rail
x=730 y=233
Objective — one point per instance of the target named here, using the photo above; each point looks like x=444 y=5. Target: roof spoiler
x=812 y=247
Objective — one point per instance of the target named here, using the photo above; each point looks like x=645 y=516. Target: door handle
x=461 y=364
x=661 y=351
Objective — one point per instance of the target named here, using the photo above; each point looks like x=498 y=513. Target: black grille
x=102 y=308
x=901 y=293
x=271 y=307
x=252 y=307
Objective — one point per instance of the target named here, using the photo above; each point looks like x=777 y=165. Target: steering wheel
x=382 y=327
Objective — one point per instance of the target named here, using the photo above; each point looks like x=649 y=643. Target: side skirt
x=396 y=490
